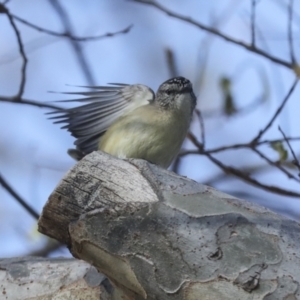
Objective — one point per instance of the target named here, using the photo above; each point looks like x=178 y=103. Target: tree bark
x=43 y=278
x=157 y=235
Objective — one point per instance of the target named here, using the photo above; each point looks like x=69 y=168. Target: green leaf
x=279 y=148
x=229 y=107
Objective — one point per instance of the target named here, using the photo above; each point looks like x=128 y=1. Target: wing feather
x=101 y=108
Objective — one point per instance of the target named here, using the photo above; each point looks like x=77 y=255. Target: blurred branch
x=170 y=57
x=290 y=31
x=253 y=7
x=4 y=10
x=173 y=72
x=296 y=161
x=21 y=201
x=202 y=128
x=226 y=92
x=247 y=178
x=204 y=49
x=70 y=36
x=275 y=164
x=75 y=45
x=248 y=108
x=236 y=146
x=269 y=124
x=176 y=165
x=216 y=32
x=28 y=102
x=253 y=169
x=240 y=174
x=50 y=246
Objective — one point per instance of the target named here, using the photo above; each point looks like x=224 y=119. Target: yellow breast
x=149 y=133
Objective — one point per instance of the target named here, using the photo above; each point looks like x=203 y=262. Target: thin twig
x=22 y=53
x=235 y=146
x=253 y=8
x=248 y=108
x=3 y=9
x=269 y=124
x=217 y=33
x=51 y=246
x=195 y=141
x=245 y=177
x=296 y=161
x=242 y=175
x=28 y=102
x=68 y=35
x=203 y=49
x=290 y=31
x=21 y=201
x=223 y=176
x=254 y=169
x=83 y=62
x=173 y=71
x=202 y=128
x=176 y=165
x=275 y=164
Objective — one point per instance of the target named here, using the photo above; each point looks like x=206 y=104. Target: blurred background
x=241 y=82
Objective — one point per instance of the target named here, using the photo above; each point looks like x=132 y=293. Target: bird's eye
x=168 y=92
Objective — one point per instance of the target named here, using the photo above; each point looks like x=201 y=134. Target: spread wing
x=102 y=107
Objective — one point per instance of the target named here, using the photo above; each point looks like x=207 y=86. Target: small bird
x=130 y=121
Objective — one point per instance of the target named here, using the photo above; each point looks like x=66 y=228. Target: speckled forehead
x=177 y=84
x=179 y=81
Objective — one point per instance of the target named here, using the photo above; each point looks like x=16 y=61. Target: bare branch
x=83 y=62
x=236 y=146
x=245 y=177
x=176 y=165
x=195 y=141
x=269 y=124
x=202 y=128
x=22 y=53
x=275 y=164
x=240 y=174
x=173 y=71
x=290 y=31
x=21 y=201
x=296 y=161
x=218 y=33
x=51 y=246
x=203 y=57
x=248 y=108
x=72 y=37
x=28 y=102
x=253 y=169
x=253 y=8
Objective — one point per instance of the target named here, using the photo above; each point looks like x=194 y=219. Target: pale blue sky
x=33 y=151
